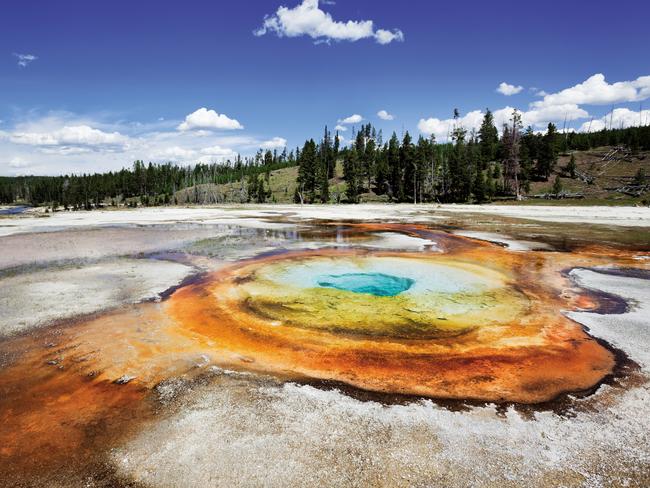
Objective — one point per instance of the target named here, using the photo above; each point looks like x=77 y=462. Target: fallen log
x=559 y=196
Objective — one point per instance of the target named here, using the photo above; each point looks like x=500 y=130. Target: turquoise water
x=379 y=284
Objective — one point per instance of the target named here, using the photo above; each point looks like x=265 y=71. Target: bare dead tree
x=511 y=164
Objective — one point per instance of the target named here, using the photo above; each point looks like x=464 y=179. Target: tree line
x=473 y=166
x=147 y=184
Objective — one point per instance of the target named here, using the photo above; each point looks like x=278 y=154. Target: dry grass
x=608 y=175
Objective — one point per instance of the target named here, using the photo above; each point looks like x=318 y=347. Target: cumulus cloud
x=352 y=119
x=564 y=105
x=507 y=89
x=307 y=19
x=383 y=36
x=442 y=128
x=80 y=136
x=536 y=118
x=540 y=116
x=436 y=127
x=25 y=59
x=60 y=142
x=596 y=91
x=181 y=154
x=275 y=143
x=340 y=128
x=208 y=120
x=383 y=115
x=616 y=119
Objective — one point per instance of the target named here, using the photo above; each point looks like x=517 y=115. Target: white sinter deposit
x=509 y=242
x=630 y=331
x=35 y=299
x=258 y=215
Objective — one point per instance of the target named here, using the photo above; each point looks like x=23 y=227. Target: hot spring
x=378 y=284
x=473 y=322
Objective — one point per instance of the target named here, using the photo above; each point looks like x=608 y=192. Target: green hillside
x=599 y=180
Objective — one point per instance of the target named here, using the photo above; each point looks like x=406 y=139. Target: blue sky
x=89 y=86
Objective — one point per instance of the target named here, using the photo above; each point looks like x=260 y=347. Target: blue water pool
x=379 y=284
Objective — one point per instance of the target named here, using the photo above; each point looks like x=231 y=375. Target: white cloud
x=188 y=155
x=340 y=128
x=596 y=91
x=71 y=136
x=383 y=36
x=507 y=89
x=209 y=120
x=441 y=129
x=541 y=116
x=25 y=59
x=352 y=119
x=18 y=162
x=275 y=143
x=564 y=105
x=383 y=115
x=174 y=153
x=307 y=19
x=70 y=150
x=61 y=142
x=616 y=119
x=218 y=152
x=245 y=141
x=538 y=117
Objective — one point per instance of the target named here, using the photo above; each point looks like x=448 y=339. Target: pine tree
x=307 y=171
x=571 y=167
x=460 y=177
x=429 y=170
x=370 y=161
x=335 y=155
x=363 y=170
x=251 y=187
x=547 y=153
x=324 y=167
x=423 y=157
x=381 y=171
x=262 y=193
x=395 y=182
x=351 y=174
x=528 y=150
x=408 y=164
x=489 y=139
x=557 y=186
x=479 y=187
x=490 y=184
x=269 y=158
